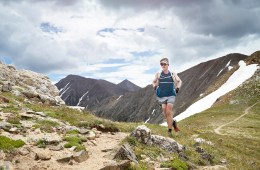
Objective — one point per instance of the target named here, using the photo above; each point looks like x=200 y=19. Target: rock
x=5 y=125
x=142 y=134
x=81 y=156
x=42 y=155
x=11 y=67
x=118 y=166
x=83 y=131
x=200 y=140
x=6 y=165
x=13 y=130
x=26 y=116
x=2 y=155
x=167 y=144
x=90 y=135
x=30 y=94
x=23 y=151
x=55 y=148
x=216 y=167
x=41 y=114
x=65 y=159
x=4 y=100
x=72 y=148
x=7 y=87
x=223 y=161
x=102 y=127
x=125 y=152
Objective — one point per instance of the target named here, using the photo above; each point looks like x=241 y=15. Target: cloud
x=109 y=39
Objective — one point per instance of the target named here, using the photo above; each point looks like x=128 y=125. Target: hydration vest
x=166 y=85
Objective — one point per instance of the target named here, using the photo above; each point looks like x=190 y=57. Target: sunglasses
x=163 y=64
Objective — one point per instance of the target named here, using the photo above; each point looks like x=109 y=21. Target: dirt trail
x=98 y=157
x=100 y=153
x=217 y=130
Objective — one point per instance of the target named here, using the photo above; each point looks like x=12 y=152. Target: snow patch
x=119 y=97
x=229 y=68
x=220 y=72
x=79 y=108
x=153 y=111
x=82 y=97
x=65 y=89
x=147 y=120
x=228 y=63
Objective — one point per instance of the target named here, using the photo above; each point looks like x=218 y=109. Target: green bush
x=175 y=164
x=74 y=141
x=42 y=143
x=9 y=144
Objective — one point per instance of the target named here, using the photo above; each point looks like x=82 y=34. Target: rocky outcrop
x=30 y=84
x=143 y=135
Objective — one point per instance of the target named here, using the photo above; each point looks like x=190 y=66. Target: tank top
x=166 y=85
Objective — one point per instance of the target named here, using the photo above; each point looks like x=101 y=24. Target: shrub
x=9 y=144
x=175 y=164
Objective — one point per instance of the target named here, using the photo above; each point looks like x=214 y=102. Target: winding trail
x=217 y=130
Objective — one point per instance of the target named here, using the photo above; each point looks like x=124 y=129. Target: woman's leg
x=168 y=115
x=164 y=109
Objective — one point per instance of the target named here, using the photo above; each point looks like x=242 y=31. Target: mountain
x=80 y=91
x=128 y=85
x=197 y=82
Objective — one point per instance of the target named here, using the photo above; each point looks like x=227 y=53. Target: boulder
x=7 y=87
x=42 y=155
x=126 y=153
x=81 y=156
x=143 y=135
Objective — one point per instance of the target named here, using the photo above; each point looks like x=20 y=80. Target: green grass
x=14 y=119
x=9 y=144
x=42 y=143
x=74 y=140
x=46 y=125
x=175 y=164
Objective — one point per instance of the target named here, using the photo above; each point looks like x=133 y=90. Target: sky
x=237 y=78
x=118 y=40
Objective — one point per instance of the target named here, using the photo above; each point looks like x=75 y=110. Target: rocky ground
x=100 y=147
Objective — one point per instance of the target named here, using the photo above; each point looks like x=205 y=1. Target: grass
x=14 y=119
x=175 y=164
x=10 y=144
x=74 y=140
x=46 y=125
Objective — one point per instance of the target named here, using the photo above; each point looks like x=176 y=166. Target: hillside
x=38 y=135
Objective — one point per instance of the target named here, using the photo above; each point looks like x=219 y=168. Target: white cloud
x=164 y=28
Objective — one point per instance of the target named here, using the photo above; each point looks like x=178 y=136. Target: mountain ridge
x=76 y=90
